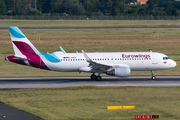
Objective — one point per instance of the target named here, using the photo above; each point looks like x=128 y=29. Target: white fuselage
x=137 y=61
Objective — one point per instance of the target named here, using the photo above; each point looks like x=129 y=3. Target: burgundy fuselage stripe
x=34 y=59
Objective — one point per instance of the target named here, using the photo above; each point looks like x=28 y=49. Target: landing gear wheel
x=93 y=77
x=153 y=77
x=98 y=78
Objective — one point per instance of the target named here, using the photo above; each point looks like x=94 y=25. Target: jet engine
x=119 y=71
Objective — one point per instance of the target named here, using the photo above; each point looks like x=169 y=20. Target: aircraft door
x=154 y=59
x=41 y=63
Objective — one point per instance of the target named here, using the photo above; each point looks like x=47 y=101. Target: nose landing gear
x=153 y=77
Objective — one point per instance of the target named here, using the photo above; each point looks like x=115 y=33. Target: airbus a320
x=119 y=64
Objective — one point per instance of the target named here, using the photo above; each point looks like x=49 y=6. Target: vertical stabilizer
x=25 y=52
x=21 y=44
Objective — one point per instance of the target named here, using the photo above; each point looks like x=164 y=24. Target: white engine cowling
x=120 y=72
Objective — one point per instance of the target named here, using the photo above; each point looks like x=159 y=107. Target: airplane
x=119 y=64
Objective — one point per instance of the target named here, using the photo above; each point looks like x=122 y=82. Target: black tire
x=153 y=77
x=98 y=78
x=93 y=77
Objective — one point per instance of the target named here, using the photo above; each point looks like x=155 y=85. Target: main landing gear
x=94 y=77
x=153 y=77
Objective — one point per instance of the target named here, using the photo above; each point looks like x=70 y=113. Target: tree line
x=89 y=7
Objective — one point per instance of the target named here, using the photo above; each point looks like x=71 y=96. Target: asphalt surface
x=10 y=113
x=55 y=82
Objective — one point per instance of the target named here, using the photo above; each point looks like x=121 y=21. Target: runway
x=56 y=82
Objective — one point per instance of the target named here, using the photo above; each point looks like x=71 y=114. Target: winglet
x=62 y=50
x=87 y=58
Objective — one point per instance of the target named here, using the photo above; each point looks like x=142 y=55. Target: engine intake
x=119 y=72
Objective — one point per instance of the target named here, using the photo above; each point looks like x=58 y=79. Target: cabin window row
x=102 y=59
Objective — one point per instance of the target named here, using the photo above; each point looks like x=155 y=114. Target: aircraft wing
x=96 y=67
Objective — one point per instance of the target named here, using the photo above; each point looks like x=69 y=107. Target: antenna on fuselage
x=150 y=50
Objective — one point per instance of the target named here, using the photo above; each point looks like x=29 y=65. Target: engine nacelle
x=120 y=72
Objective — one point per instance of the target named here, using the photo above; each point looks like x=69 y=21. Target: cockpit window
x=166 y=58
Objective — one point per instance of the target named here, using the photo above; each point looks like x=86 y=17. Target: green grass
x=97 y=34
x=90 y=103
x=88 y=23
x=92 y=40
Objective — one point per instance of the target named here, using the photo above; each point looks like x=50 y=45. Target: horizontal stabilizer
x=20 y=58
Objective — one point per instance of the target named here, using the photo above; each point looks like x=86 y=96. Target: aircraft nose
x=173 y=63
